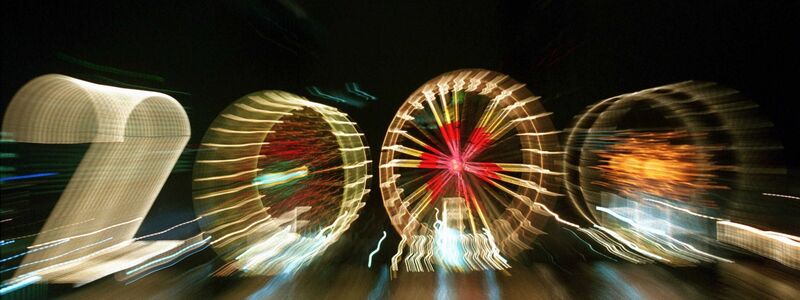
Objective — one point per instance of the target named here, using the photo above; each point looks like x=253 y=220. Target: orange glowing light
x=652 y=163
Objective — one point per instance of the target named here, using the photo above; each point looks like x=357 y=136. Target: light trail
x=16 y=285
x=681 y=209
x=29 y=176
x=166 y=258
x=85 y=234
x=782 y=196
x=273 y=179
x=57 y=256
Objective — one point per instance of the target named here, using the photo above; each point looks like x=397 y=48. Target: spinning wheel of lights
x=693 y=133
x=479 y=140
x=688 y=159
x=276 y=171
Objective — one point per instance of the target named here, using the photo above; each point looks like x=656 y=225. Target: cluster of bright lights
x=450 y=247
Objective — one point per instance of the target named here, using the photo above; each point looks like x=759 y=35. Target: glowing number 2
x=136 y=138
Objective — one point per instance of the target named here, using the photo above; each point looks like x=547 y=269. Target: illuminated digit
x=278 y=179
x=136 y=137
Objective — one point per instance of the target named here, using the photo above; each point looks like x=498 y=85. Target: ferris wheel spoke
x=471 y=198
x=452 y=122
x=480 y=137
x=415 y=153
x=497 y=121
x=452 y=138
x=500 y=118
x=438 y=184
x=419 y=192
x=443 y=92
x=443 y=122
x=525 y=199
x=419 y=142
x=435 y=186
x=509 y=167
x=489 y=174
x=492 y=208
x=491 y=138
x=543 y=152
x=464 y=193
x=497 y=143
x=498 y=133
x=457 y=98
x=416 y=164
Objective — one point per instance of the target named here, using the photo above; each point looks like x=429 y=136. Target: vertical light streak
x=378 y=248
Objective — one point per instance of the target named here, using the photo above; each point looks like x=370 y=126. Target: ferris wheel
x=472 y=150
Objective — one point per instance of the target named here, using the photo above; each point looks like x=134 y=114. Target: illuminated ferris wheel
x=472 y=150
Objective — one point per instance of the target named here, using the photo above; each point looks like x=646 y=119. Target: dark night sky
x=573 y=53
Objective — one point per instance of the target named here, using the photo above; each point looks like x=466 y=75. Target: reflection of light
x=379 y=291
x=273 y=246
x=616 y=280
x=272 y=286
x=442 y=285
x=493 y=291
x=587 y=244
x=273 y=179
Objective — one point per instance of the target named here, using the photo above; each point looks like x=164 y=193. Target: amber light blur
x=651 y=163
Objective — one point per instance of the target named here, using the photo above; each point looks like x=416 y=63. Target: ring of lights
x=229 y=181
x=512 y=127
x=701 y=109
